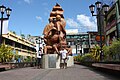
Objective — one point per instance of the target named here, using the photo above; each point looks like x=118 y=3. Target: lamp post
x=39 y=52
x=38 y=41
x=80 y=41
x=99 y=9
x=2 y=10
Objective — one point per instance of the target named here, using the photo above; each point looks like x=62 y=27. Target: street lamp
x=80 y=41
x=38 y=41
x=99 y=8
x=2 y=10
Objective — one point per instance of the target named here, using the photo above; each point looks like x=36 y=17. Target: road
x=76 y=72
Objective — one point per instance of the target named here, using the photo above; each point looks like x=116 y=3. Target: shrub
x=28 y=59
x=87 y=57
x=77 y=58
x=6 y=53
x=112 y=52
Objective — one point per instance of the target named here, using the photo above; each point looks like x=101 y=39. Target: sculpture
x=54 y=32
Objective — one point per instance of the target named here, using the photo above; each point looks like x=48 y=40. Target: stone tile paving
x=76 y=72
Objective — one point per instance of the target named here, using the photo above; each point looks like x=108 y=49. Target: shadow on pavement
x=105 y=72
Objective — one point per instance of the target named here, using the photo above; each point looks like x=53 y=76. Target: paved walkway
x=76 y=72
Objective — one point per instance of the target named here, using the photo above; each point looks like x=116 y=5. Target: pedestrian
x=63 y=62
x=19 y=59
x=39 y=56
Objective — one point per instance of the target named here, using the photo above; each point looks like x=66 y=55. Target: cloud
x=86 y=21
x=39 y=18
x=72 y=23
x=28 y=1
x=83 y=22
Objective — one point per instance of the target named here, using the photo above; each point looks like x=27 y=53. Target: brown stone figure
x=54 y=32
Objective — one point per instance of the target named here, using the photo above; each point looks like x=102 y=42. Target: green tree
x=14 y=32
x=28 y=36
x=6 y=53
x=23 y=36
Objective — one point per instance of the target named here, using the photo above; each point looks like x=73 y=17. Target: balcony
x=110 y=25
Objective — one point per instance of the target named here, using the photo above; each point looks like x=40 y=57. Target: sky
x=31 y=16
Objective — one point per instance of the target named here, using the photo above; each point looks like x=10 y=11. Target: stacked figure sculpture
x=55 y=33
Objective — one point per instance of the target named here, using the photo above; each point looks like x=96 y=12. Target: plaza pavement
x=76 y=72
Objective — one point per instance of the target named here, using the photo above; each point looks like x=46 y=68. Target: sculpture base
x=53 y=61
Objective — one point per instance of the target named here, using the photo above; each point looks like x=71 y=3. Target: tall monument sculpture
x=55 y=33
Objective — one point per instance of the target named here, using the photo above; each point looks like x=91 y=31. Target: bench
x=107 y=66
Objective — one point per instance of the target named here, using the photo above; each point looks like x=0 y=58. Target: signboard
x=97 y=38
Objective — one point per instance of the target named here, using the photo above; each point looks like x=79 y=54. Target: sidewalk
x=76 y=72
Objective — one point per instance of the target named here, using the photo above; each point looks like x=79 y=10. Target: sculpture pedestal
x=70 y=61
x=50 y=61
x=53 y=61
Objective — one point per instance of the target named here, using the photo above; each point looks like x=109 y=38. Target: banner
x=4 y=27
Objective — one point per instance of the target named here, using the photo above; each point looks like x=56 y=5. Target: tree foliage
x=23 y=36
x=87 y=57
x=93 y=55
x=6 y=53
x=112 y=52
x=77 y=58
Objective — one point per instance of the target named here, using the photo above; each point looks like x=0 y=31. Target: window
x=67 y=36
x=75 y=36
x=9 y=42
x=112 y=18
x=72 y=43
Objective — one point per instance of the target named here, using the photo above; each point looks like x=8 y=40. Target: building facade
x=19 y=45
x=81 y=42
x=92 y=38
x=110 y=28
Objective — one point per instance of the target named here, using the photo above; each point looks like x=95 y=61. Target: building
x=78 y=42
x=81 y=42
x=19 y=45
x=92 y=38
x=110 y=28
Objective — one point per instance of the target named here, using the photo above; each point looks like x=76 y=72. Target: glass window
x=112 y=17
x=75 y=36
x=67 y=36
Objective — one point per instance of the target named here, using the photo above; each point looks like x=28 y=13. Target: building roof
x=18 y=39
x=80 y=33
x=92 y=32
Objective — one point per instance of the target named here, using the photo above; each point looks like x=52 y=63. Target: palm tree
x=6 y=53
x=14 y=32
x=28 y=37
x=23 y=36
